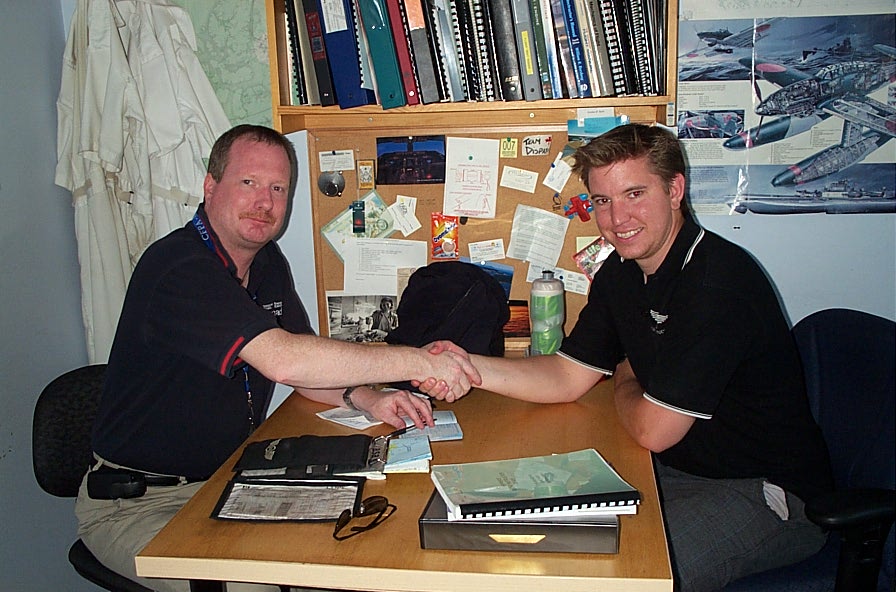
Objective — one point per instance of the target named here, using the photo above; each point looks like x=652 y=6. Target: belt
x=151 y=479
x=107 y=482
x=164 y=480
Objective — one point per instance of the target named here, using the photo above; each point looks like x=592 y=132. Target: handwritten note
x=471 y=177
x=537 y=145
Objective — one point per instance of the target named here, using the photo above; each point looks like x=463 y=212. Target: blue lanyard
x=205 y=235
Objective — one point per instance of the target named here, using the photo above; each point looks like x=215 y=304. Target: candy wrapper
x=444 y=236
x=593 y=256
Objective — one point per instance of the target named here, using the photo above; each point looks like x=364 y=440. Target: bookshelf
x=447 y=116
x=332 y=128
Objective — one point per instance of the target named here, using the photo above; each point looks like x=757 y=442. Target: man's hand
x=461 y=376
x=393 y=406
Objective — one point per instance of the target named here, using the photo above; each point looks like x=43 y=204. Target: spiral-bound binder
x=426 y=62
x=465 y=42
x=578 y=483
x=484 y=46
x=612 y=15
x=640 y=46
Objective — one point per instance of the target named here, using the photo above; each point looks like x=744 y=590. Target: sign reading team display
x=573 y=484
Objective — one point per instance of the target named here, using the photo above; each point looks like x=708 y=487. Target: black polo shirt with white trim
x=175 y=400
x=706 y=336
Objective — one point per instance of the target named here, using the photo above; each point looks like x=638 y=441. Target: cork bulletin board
x=365 y=151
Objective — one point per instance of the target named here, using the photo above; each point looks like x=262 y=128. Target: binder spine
x=614 y=48
x=640 y=46
x=550 y=45
x=530 y=78
x=576 y=51
x=426 y=65
x=563 y=50
x=544 y=71
x=319 y=54
x=343 y=53
x=505 y=50
x=484 y=42
x=446 y=49
x=298 y=92
x=603 y=76
x=385 y=61
x=399 y=23
x=586 y=33
x=464 y=41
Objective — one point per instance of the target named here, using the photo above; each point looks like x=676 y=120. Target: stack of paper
x=445 y=428
x=352 y=418
x=409 y=454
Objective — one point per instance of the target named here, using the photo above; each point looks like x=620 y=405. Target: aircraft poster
x=790 y=112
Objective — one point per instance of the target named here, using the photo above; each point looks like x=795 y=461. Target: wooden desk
x=194 y=546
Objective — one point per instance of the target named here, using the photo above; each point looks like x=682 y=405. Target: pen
x=425 y=397
x=401 y=431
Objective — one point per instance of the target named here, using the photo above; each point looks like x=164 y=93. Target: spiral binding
x=614 y=46
x=482 y=31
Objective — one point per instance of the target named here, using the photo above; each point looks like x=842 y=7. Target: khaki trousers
x=117 y=530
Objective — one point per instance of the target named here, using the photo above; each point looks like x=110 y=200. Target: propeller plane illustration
x=803 y=100
x=724 y=41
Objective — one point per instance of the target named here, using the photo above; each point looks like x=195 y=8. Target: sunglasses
x=376 y=506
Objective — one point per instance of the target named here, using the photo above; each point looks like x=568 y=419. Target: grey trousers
x=723 y=529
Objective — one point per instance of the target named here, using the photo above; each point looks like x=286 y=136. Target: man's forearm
x=627 y=394
x=651 y=425
x=318 y=362
x=540 y=379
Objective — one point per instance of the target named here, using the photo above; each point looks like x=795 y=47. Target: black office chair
x=61 y=454
x=849 y=359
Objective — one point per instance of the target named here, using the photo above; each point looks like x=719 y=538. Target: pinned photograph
x=361 y=318
x=410 y=160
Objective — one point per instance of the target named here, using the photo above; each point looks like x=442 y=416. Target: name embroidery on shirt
x=275 y=308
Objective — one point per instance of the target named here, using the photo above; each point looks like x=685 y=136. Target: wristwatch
x=347 y=397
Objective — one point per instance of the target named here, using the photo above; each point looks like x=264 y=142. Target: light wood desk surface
x=194 y=546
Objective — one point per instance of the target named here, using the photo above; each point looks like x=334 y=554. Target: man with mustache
x=210 y=322
x=706 y=373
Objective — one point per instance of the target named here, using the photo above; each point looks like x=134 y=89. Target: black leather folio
x=310 y=454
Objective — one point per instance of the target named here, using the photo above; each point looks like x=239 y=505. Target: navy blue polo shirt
x=706 y=336
x=175 y=399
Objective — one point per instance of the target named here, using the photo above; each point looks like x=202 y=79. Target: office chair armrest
x=852 y=508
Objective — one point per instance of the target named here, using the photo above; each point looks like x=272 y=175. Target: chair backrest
x=63 y=420
x=849 y=359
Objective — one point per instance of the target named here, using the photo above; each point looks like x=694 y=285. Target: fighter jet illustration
x=804 y=100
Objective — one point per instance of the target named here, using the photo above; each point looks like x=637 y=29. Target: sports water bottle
x=546 y=314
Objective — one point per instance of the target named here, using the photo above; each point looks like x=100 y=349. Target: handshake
x=449 y=372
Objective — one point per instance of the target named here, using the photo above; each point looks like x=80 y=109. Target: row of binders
x=407 y=52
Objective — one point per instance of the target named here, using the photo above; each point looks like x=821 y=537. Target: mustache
x=258 y=216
